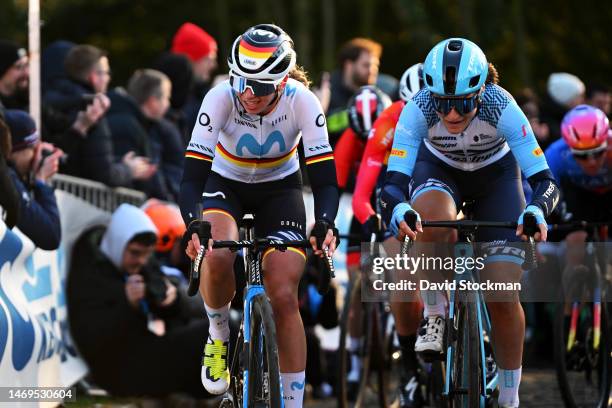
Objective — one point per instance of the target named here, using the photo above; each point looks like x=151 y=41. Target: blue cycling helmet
x=454 y=67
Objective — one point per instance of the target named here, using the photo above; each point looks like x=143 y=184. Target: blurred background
x=526 y=40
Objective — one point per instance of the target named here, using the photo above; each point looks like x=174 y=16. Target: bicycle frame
x=465 y=248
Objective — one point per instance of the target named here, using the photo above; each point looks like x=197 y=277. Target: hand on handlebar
x=399 y=227
x=540 y=234
x=324 y=236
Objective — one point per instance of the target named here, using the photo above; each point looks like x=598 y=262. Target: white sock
x=293 y=388
x=508 y=385
x=353 y=346
x=434 y=303
x=219 y=322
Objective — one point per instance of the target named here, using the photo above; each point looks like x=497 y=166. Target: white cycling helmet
x=263 y=53
x=411 y=82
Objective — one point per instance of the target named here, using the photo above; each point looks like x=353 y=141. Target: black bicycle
x=254 y=367
x=469 y=373
x=581 y=326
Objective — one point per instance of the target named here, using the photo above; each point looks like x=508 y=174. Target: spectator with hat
x=565 y=91
x=201 y=49
x=32 y=163
x=14 y=76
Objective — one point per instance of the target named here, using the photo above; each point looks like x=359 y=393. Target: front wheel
x=582 y=350
x=263 y=375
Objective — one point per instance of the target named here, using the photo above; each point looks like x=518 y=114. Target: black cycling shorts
x=278 y=206
x=496 y=190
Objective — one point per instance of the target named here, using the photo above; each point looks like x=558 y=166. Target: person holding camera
x=31 y=164
x=119 y=303
x=74 y=113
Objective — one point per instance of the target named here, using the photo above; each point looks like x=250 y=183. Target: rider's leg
x=218 y=285
x=354 y=323
x=281 y=278
x=434 y=205
x=508 y=329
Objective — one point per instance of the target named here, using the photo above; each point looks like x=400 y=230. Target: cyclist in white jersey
x=464 y=138
x=243 y=157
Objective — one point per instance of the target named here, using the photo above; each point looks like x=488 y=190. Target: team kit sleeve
x=346 y=154
x=318 y=155
x=371 y=165
x=515 y=127
x=214 y=111
x=410 y=130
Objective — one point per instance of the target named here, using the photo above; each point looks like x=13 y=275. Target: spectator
x=137 y=124
x=81 y=98
x=14 y=76
x=179 y=70
x=358 y=61
x=201 y=49
x=599 y=96
x=118 y=300
x=530 y=105
x=565 y=91
x=9 y=198
x=31 y=165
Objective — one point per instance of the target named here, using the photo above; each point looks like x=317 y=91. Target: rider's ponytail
x=493 y=75
x=299 y=74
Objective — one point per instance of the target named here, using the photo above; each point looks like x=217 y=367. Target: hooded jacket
x=105 y=327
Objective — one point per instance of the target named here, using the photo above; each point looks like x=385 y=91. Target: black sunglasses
x=589 y=154
x=240 y=84
x=463 y=106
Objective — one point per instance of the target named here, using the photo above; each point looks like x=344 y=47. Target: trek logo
x=549 y=190
x=249 y=142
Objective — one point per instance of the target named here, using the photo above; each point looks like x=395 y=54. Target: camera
x=48 y=152
x=155 y=287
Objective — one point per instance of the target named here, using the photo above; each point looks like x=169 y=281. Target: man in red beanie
x=201 y=50
x=199 y=47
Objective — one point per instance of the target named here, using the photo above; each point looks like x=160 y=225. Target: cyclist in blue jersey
x=242 y=157
x=463 y=138
x=582 y=164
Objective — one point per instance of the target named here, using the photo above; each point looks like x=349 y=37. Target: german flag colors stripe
x=198 y=156
x=255 y=52
x=217 y=211
x=252 y=162
x=292 y=249
x=320 y=158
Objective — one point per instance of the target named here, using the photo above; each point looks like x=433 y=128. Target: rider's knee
x=219 y=264
x=503 y=309
x=284 y=301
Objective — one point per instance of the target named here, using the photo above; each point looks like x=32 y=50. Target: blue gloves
x=398 y=216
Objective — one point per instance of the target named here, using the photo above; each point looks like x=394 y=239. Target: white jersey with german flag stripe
x=257 y=149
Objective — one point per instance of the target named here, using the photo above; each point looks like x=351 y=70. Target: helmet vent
x=450 y=80
x=282 y=65
x=474 y=81
x=455 y=45
x=429 y=79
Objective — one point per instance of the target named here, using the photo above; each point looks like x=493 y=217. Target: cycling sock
x=353 y=347
x=509 y=381
x=434 y=303
x=409 y=358
x=219 y=322
x=293 y=388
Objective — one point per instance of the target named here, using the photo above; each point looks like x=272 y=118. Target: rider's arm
x=409 y=132
x=319 y=156
x=346 y=154
x=371 y=165
x=515 y=127
x=216 y=107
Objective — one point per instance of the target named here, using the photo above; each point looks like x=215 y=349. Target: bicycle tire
x=353 y=295
x=467 y=370
x=435 y=385
x=604 y=362
x=263 y=382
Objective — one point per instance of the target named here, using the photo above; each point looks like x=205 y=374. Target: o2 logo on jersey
x=249 y=142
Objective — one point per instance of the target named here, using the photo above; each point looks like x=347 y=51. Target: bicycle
x=254 y=367
x=581 y=326
x=469 y=376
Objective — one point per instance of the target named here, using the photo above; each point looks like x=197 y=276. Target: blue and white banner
x=36 y=349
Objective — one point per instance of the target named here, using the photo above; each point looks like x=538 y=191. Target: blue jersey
x=566 y=170
x=498 y=127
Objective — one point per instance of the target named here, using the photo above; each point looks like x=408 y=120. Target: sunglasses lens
x=240 y=85
x=461 y=105
x=589 y=155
